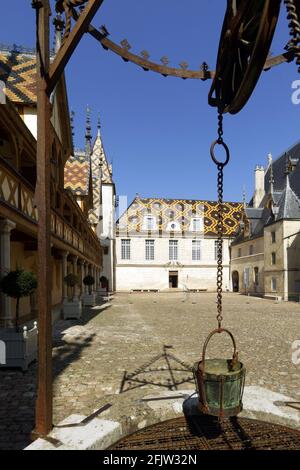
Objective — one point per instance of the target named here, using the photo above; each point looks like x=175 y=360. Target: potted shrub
x=104 y=282
x=72 y=308
x=89 y=281
x=20 y=346
x=71 y=280
x=89 y=299
x=18 y=284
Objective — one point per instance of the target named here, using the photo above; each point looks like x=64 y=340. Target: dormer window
x=173 y=226
x=196 y=224
x=149 y=222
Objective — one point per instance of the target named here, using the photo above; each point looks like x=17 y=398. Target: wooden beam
x=44 y=398
x=70 y=44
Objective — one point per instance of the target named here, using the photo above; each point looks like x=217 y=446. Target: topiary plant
x=89 y=281
x=18 y=284
x=71 y=280
x=104 y=282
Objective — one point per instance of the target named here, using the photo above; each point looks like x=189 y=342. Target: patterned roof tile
x=181 y=211
x=18 y=72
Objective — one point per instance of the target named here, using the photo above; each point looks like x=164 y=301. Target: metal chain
x=220 y=167
x=294 y=26
x=220 y=228
x=220 y=246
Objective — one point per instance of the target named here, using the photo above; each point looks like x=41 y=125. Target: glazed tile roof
x=18 y=72
x=77 y=173
x=180 y=211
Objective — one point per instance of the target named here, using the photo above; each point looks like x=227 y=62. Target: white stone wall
x=105 y=231
x=139 y=273
x=30 y=119
x=242 y=260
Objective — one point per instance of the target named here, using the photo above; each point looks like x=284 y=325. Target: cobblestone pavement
x=90 y=356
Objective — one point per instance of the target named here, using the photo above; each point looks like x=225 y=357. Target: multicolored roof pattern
x=77 y=174
x=181 y=211
x=18 y=72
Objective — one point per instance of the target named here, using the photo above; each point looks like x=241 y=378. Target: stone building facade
x=166 y=244
x=265 y=256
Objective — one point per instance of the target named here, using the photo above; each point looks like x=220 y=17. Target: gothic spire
x=72 y=125
x=88 y=132
x=244 y=197
x=271 y=180
x=99 y=125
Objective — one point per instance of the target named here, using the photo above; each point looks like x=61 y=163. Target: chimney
x=259 y=186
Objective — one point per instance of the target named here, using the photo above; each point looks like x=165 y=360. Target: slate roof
x=285 y=196
x=288 y=204
x=279 y=167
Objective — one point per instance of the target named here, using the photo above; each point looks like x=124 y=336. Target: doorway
x=235 y=281
x=173 y=279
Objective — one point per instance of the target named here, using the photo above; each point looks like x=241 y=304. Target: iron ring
x=212 y=153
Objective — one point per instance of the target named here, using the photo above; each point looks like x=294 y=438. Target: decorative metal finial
x=58 y=22
x=184 y=65
x=104 y=31
x=164 y=60
x=145 y=54
x=287 y=165
x=125 y=44
x=270 y=159
x=271 y=180
x=204 y=67
x=88 y=128
x=244 y=197
x=72 y=124
x=59 y=25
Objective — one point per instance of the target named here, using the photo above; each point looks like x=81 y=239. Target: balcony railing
x=17 y=193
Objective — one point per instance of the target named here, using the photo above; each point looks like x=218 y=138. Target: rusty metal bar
x=165 y=70
x=44 y=400
x=69 y=46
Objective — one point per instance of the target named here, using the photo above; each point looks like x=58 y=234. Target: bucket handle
x=214 y=332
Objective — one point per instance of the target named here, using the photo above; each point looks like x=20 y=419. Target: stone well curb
x=126 y=417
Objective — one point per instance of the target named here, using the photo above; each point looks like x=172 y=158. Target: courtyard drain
x=205 y=433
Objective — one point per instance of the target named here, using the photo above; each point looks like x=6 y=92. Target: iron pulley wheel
x=246 y=37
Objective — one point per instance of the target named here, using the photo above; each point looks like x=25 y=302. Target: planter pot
x=18 y=349
x=72 y=309
x=89 y=300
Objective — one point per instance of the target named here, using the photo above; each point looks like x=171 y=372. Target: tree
x=18 y=284
x=71 y=280
x=89 y=281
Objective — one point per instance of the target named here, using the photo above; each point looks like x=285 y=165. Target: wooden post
x=47 y=78
x=44 y=399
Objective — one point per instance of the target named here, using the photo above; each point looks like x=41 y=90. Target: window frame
x=150 y=250
x=273 y=282
x=273 y=258
x=273 y=237
x=125 y=249
x=196 y=250
x=194 y=221
x=173 y=249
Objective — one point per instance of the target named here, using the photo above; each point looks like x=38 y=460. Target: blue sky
x=157 y=130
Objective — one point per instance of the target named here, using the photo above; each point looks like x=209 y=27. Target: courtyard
x=106 y=357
